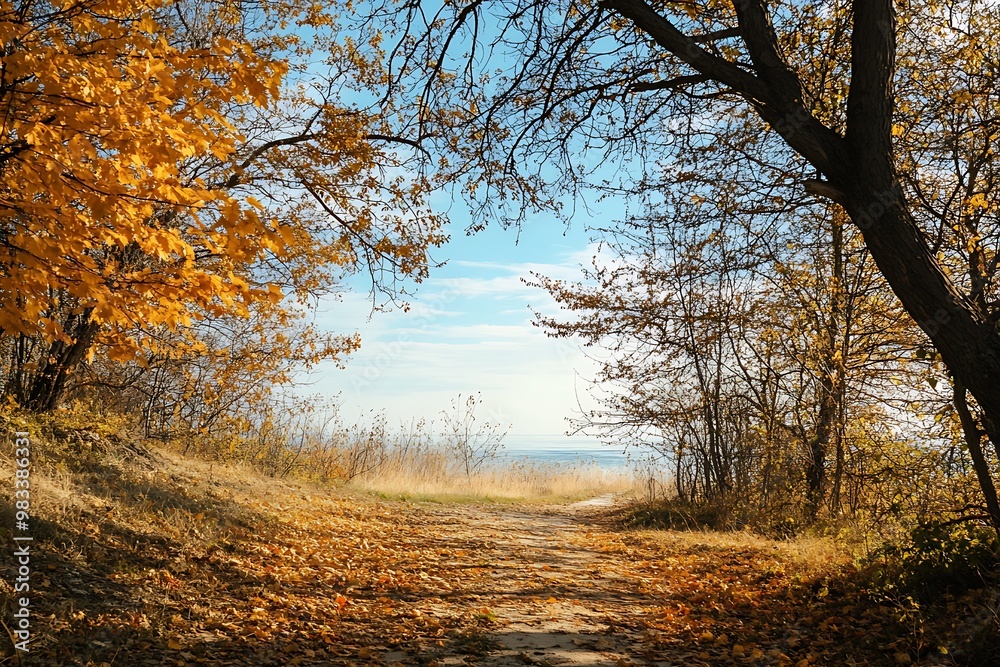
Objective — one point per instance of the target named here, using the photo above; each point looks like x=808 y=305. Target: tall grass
x=414 y=460
x=436 y=473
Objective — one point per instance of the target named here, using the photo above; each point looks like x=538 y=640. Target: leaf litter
x=270 y=573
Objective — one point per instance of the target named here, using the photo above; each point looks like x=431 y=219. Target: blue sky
x=469 y=330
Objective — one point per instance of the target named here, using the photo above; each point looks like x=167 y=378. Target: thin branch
x=669 y=84
x=413 y=143
x=718 y=34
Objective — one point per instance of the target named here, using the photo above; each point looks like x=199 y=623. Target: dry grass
x=82 y=478
x=806 y=554
x=431 y=475
x=155 y=556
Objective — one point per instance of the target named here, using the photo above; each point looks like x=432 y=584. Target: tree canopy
x=169 y=163
x=767 y=109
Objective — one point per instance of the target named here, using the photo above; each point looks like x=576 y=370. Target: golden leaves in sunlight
x=160 y=169
x=101 y=114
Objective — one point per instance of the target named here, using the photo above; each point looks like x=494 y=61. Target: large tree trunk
x=49 y=383
x=860 y=172
x=968 y=343
x=870 y=192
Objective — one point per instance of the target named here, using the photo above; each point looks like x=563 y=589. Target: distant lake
x=567 y=449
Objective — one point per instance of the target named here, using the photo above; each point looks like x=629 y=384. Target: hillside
x=144 y=557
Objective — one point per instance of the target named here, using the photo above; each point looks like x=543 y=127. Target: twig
x=17 y=654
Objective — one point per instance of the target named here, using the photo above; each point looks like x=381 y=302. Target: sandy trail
x=554 y=601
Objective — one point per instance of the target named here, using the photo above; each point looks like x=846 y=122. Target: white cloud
x=531 y=380
x=509 y=286
x=462 y=335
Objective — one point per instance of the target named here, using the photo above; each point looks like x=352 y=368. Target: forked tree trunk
x=860 y=173
x=49 y=384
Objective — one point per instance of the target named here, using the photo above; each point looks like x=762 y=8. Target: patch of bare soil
x=555 y=600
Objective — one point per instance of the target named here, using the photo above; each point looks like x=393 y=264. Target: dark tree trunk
x=816 y=471
x=49 y=383
x=831 y=396
x=860 y=170
x=839 y=341
x=828 y=432
x=974 y=441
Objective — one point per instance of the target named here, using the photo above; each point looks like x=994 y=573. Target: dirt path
x=189 y=572
x=554 y=599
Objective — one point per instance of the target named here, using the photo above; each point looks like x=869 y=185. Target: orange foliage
x=159 y=169
x=101 y=112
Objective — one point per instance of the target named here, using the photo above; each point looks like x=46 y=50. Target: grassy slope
x=144 y=557
x=167 y=560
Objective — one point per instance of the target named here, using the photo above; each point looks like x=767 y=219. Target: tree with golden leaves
x=170 y=162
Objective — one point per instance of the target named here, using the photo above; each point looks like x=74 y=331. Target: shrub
x=939 y=559
x=679 y=514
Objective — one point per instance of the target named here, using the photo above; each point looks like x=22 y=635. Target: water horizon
x=566 y=449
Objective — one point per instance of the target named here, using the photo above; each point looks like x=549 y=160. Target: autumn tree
x=208 y=378
x=831 y=87
x=170 y=163
x=761 y=365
